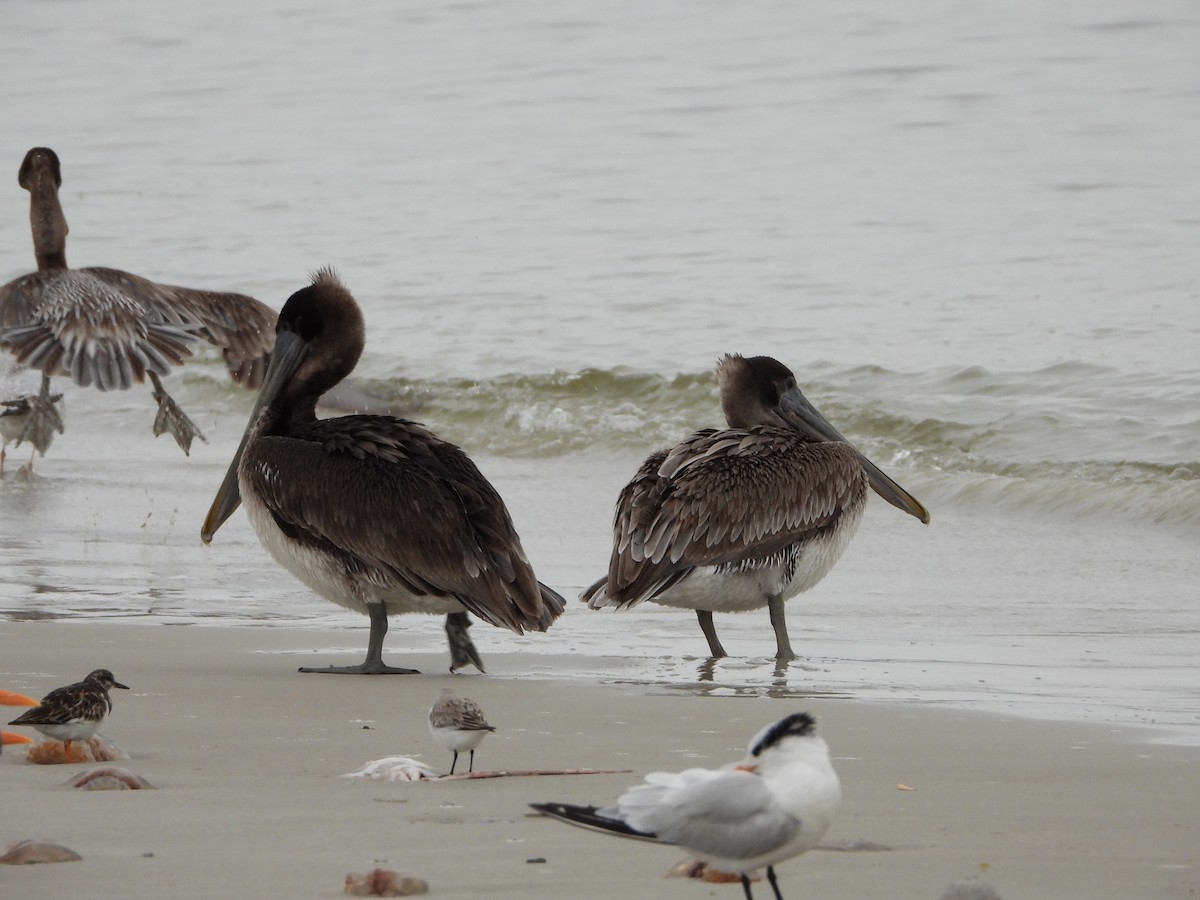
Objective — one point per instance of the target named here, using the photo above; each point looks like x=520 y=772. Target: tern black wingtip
x=591 y=817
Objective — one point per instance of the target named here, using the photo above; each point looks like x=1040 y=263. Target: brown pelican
x=108 y=328
x=372 y=512
x=735 y=519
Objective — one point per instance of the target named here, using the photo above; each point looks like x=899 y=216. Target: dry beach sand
x=245 y=754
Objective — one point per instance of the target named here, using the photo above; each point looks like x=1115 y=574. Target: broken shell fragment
x=30 y=851
x=109 y=778
x=384 y=883
x=697 y=868
x=49 y=752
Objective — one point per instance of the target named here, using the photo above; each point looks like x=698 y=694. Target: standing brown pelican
x=108 y=328
x=748 y=516
x=372 y=512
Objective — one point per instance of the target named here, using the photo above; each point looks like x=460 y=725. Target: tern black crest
x=795 y=725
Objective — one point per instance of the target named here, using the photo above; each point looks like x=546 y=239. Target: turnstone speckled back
x=74 y=712
x=458 y=724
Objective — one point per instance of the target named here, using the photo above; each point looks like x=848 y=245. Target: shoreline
x=245 y=754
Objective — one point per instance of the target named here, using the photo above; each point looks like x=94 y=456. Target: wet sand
x=245 y=754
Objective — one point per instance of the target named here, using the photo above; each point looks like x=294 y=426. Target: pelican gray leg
x=373 y=664
x=173 y=419
x=783 y=647
x=704 y=617
x=462 y=650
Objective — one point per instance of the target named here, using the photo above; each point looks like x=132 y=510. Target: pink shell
x=109 y=778
x=384 y=883
x=31 y=851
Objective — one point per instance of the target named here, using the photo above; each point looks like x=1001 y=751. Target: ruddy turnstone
x=773 y=805
x=74 y=712
x=458 y=724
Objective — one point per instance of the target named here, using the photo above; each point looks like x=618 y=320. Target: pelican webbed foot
x=173 y=419
x=44 y=418
x=41 y=420
x=364 y=668
x=373 y=664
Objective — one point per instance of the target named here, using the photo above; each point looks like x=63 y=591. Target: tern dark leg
x=746 y=886
x=373 y=664
x=173 y=419
x=704 y=617
x=783 y=647
x=462 y=650
x=455 y=762
x=471 y=767
x=774 y=883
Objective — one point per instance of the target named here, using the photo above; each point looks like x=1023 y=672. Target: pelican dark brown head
x=39 y=162
x=319 y=338
x=751 y=389
x=760 y=390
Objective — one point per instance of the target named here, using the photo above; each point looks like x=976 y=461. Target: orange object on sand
x=12 y=698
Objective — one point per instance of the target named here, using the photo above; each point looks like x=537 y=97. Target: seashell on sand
x=30 y=851
x=109 y=778
x=970 y=889
x=384 y=883
x=696 y=868
x=49 y=752
x=394 y=768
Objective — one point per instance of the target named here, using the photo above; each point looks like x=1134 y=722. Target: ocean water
x=970 y=229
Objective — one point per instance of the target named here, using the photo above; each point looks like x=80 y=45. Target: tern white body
x=776 y=803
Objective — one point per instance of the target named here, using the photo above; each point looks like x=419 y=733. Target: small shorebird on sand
x=458 y=724
x=74 y=712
